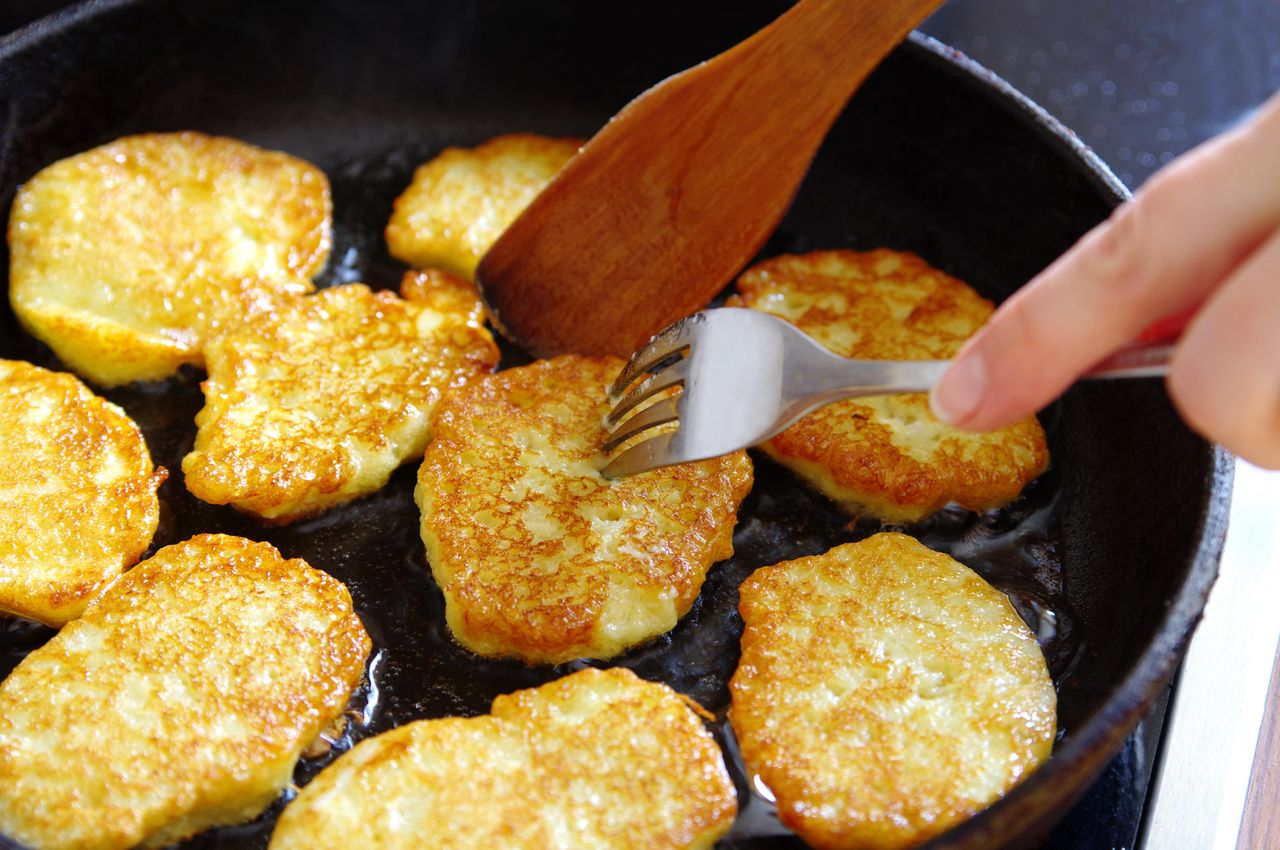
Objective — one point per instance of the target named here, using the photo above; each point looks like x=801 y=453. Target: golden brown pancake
x=318 y=401
x=77 y=493
x=460 y=202
x=540 y=557
x=125 y=258
x=600 y=758
x=180 y=700
x=885 y=692
x=887 y=456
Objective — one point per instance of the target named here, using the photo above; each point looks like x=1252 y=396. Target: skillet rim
x=1018 y=814
x=28 y=36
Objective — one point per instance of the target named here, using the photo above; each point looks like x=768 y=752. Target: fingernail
x=959 y=394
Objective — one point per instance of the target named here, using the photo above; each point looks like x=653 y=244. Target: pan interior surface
x=1108 y=556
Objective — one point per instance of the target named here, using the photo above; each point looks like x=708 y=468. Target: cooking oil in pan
x=417 y=671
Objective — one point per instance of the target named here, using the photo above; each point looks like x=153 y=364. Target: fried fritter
x=539 y=556
x=125 y=258
x=885 y=692
x=317 y=402
x=77 y=493
x=888 y=456
x=460 y=202
x=180 y=700
x=597 y=759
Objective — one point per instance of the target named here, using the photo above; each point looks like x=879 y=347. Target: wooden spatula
x=682 y=187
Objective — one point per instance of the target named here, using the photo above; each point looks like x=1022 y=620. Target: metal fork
x=744 y=375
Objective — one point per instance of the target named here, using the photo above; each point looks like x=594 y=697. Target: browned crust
x=599 y=757
x=178 y=701
x=459 y=202
x=317 y=401
x=888 y=456
x=126 y=257
x=885 y=693
x=538 y=555
x=79 y=489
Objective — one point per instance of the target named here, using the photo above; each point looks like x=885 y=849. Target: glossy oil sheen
x=418 y=671
x=1109 y=555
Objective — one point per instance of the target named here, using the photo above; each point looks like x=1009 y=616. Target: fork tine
x=643 y=456
x=669 y=377
x=667 y=342
x=656 y=414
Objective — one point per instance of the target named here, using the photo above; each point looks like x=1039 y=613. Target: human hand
x=1203 y=231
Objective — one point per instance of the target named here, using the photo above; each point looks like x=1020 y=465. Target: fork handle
x=1135 y=361
x=1149 y=355
x=1138 y=360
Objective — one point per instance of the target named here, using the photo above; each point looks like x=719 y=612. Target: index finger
x=1156 y=256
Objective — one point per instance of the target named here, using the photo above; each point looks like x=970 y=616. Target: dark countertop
x=1140 y=81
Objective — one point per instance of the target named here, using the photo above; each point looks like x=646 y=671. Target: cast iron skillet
x=1109 y=556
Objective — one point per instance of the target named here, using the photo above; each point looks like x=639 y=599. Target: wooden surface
x=675 y=194
x=1212 y=735
x=1260 y=825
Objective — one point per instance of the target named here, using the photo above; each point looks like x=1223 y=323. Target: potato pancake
x=539 y=556
x=77 y=493
x=887 y=456
x=318 y=401
x=597 y=759
x=885 y=693
x=179 y=701
x=460 y=202
x=126 y=258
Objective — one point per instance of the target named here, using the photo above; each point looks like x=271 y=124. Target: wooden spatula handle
x=677 y=192
x=809 y=62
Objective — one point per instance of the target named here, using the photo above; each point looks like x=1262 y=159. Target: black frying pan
x=1109 y=556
